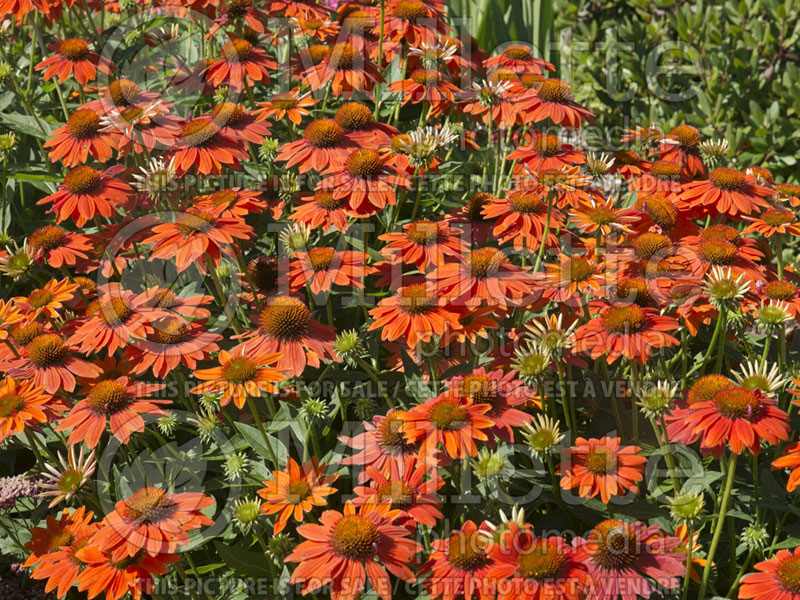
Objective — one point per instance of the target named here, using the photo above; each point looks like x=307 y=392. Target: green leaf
x=26 y=125
x=247 y=563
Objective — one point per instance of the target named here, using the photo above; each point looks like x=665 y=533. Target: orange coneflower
x=342 y=551
x=416 y=313
x=164 y=300
x=296 y=491
x=82 y=136
x=112 y=321
x=602 y=466
x=567 y=185
x=119 y=402
x=774 y=579
x=522 y=218
x=528 y=567
x=116 y=578
x=48 y=300
x=139 y=128
x=773 y=221
x=240 y=124
x=459 y=564
x=346 y=68
x=21 y=405
x=323 y=267
x=361 y=127
x=365 y=177
x=659 y=210
x=726 y=191
x=423 y=244
x=123 y=93
x=233 y=12
x=321 y=209
x=239 y=376
x=520 y=59
x=625 y=330
x=236 y=200
x=788 y=192
x=682 y=146
x=491 y=101
x=203 y=145
x=382 y=443
x=601 y=217
x=629 y=164
x=428 y=86
x=58 y=247
x=721 y=246
x=572 y=277
x=286 y=326
x=73 y=57
x=152 y=521
x=240 y=62
x=49 y=362
x=10 y=314
x=85 y=192
x=414 y=21
x=324 y=145
x=661 y=176
x=552 y=99
x=547 y=152
x=454 y=422
x=290 y=105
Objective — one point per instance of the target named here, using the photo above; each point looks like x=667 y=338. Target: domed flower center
x=448 y=414
x=108 y=397
x=627 y=157
x=298 y=491
x=665 y=170
x=554 y=90
x=82 y=180
x=498 y=76
x=485 y=262
x=577 y=269
x=727 y=179
x=283 y=101
x=788 y=573
x=148 y=506
x=24 y=335
x=164 y=298
x=344 y=56
x=285 y=318
x=416 y=299
x=411 y=10
x=623 y=319
x=475 y=206
x=466 y=551
x=705 y=388
x=423 y=233
x=10 y=405
x=526 y=203
x=717 y=252
x=238 y=8
x=662 y=211
x=720 y=232
x=239 y=370
x=222 y=198
x=263 y=272
x=70 y=481
x=651 y=244
x=601 y=461
x=636 y=290
x=552 y=177
x=227 y=114
x=83 y=124
x=355 y=537
x=170 y=331
x=317 y=53
x=542 y=561
x=199 y=132
x=47 y=350
x=547 y=145
x=615 y=545
x=195 y=220
x=602 y=216
x=323 y=133
x=74 y=49
x=777 y=217
x=687 y=136
x=399 y=493
x=116 y=312
x=426 y=77
x=325 y=200
x=390 y=434
x=123 y=92
x=518 y=52
x=780 y=290
x=364 y=164
x=789 y=190
x=737 y=402
x=531 y=80
x=357 y=22
x=480 y=388
x=40 y=298
x=237 y=51
x=321 y=258
x=48 y=237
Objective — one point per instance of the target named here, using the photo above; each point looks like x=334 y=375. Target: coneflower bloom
x=62 y=484
x=82 y=136
x=416 y=314
x=342 y=551
x=365 y=177
x=323 y=146
x=459 y=564
x=22 y=404
x=237 y=122
x=627 y=559
x=528 y=567
x=346 y=68
x=454 y=422
x=567 y=185
x=423 y=244
x=57 y=247
x=382 y=443
x=138 y=128
x=774 y=579
x=323 y=267
x=522 y=218
x=629 y=164
x=519 y=58
x=290 y=105
x=203 y=145
x=235 y=12
x=721 y=246
x=153 y=521
x=406 y=489
x=726 y=191
x=321 y=209
x=659 y=209
x=240 y=62
x=553 y=100
x=482 y=276
x=602 y=466
x=73 y=57
x=572 y=277
x=104 y=574
x=86 y=192
x=119 y=403
x=547 y=152
x=10 y=314
x=790 y=460
x=286 y=326
x=49 y=362
x=414 y=21
x=296 y=491
x=112 y=321
x=601 y=217
x=429 y=86
x=239 y=376
x=49 y=300
x=625 y=330
x=491 y=101
x=163 y=300
x=773 y=221
x=682 y=146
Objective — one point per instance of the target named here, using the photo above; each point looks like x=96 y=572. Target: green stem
x=257 y=418
x=689 y=547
